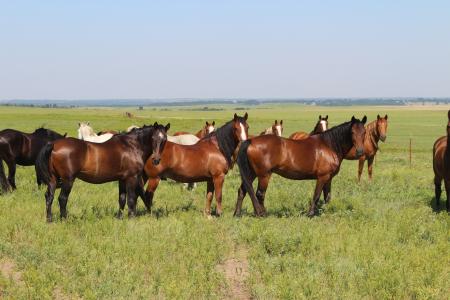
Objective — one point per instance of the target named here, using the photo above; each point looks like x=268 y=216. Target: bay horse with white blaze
x=208 y=160
x=321 y=126
x=317 y=157
x=121 y=158
x=375 y=132
x=21 y=148
x=441 y=166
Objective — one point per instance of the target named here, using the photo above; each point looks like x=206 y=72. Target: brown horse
x=321 y=126
x=208 y=160
x=375 y=131
x=207 y=129
x=21 y=148
x=121 y=158
x=276 y=128
x=317 y=157
x=441 y=165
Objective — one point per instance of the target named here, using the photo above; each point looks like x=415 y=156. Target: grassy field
x=383 y=239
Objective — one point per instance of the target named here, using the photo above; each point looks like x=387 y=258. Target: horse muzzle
x=359 y=152
x=383 y=138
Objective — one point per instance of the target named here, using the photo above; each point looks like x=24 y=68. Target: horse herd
x=148 y=154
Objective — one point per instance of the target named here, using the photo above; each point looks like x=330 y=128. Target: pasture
x=383 y=239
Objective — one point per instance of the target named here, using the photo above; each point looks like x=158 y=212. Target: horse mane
x=338 y=137
x=314 y=131
x=225 y=139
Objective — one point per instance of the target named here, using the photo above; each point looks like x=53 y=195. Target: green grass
x=381 y=239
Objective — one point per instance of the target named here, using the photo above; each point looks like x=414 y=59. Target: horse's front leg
x=218 y=184
x=152 y=185
x=209 y=197
x=370 y=166
x=315 y=200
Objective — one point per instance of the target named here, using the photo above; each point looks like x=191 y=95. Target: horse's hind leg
x=263 y=183
x=49 y=195
x=66 y=187
x=3 y=181
x=437 y=190
x=370 y=166
x=240 y=197
x=209 y=197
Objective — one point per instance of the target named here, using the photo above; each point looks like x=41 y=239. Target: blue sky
x=221 y=49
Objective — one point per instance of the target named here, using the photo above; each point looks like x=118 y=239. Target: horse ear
x=326 y=118
x=155 y=124
x=378 y=117
x=276 y=122
x=235 y=116
x=65 y=134
x=207 y=124
x=364 y=119
x=213 y=123
x=167 y=127
x=353 y=119
x=87 y=123
x=281 y=122
x=385 y=117
x=79 y=124
x=320 y=117
x=246 y=116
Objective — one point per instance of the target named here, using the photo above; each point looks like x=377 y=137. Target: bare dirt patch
x=235 y=269
x=8 y=270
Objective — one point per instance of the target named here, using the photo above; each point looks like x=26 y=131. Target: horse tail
x=42 y=166
x=247 y=172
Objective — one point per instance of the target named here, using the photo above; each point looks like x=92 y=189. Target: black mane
x=226 y=140
x=47 y=133
x=339 y=138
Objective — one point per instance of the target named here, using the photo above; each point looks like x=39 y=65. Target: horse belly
x=295 y=174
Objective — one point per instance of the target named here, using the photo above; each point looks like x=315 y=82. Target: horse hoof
x=311 y=214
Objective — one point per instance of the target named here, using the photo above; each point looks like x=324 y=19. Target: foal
x=317 y=157
x=121 y=158
x=441 y=165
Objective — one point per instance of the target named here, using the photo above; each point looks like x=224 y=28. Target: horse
x=207 y=129
x=441 y=166
x=276 y=128
x=107 y=131
x=316 y=157
x=86 y=133
x=130 y=128
x=122 y=158
x=21 y=148
x=209 y=160
x=321 y=126
x=375 y=131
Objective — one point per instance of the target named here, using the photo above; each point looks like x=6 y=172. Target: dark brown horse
x=107 y=131
x=441 y=165
x=21 y=148
x=321 y=126
x=207 y=129
x=121 y=158
x=208 y=160
x=317 y=157
x=375 y=132
x=276 y=128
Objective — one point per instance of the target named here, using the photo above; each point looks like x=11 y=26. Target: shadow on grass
x=438 y=207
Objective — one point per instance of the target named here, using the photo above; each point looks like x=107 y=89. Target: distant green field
x=383 y=239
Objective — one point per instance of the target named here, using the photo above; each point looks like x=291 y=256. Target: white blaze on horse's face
x=210 y=128
x=243 y=134
x=323 y=123
x=278 y=127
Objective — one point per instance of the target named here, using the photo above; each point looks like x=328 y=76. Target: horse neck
x=340 y=144
x=372 y=133
x=201 y=133
x=447 y=149
x=316 y=129
x=226 y=141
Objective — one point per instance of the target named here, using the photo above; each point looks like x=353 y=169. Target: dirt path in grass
x=235 y=270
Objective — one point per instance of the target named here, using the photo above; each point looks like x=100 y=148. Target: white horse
x=183 y=139
x=86 y=133
x=132 y=127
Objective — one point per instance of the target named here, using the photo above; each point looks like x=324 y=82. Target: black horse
x=21 y=148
